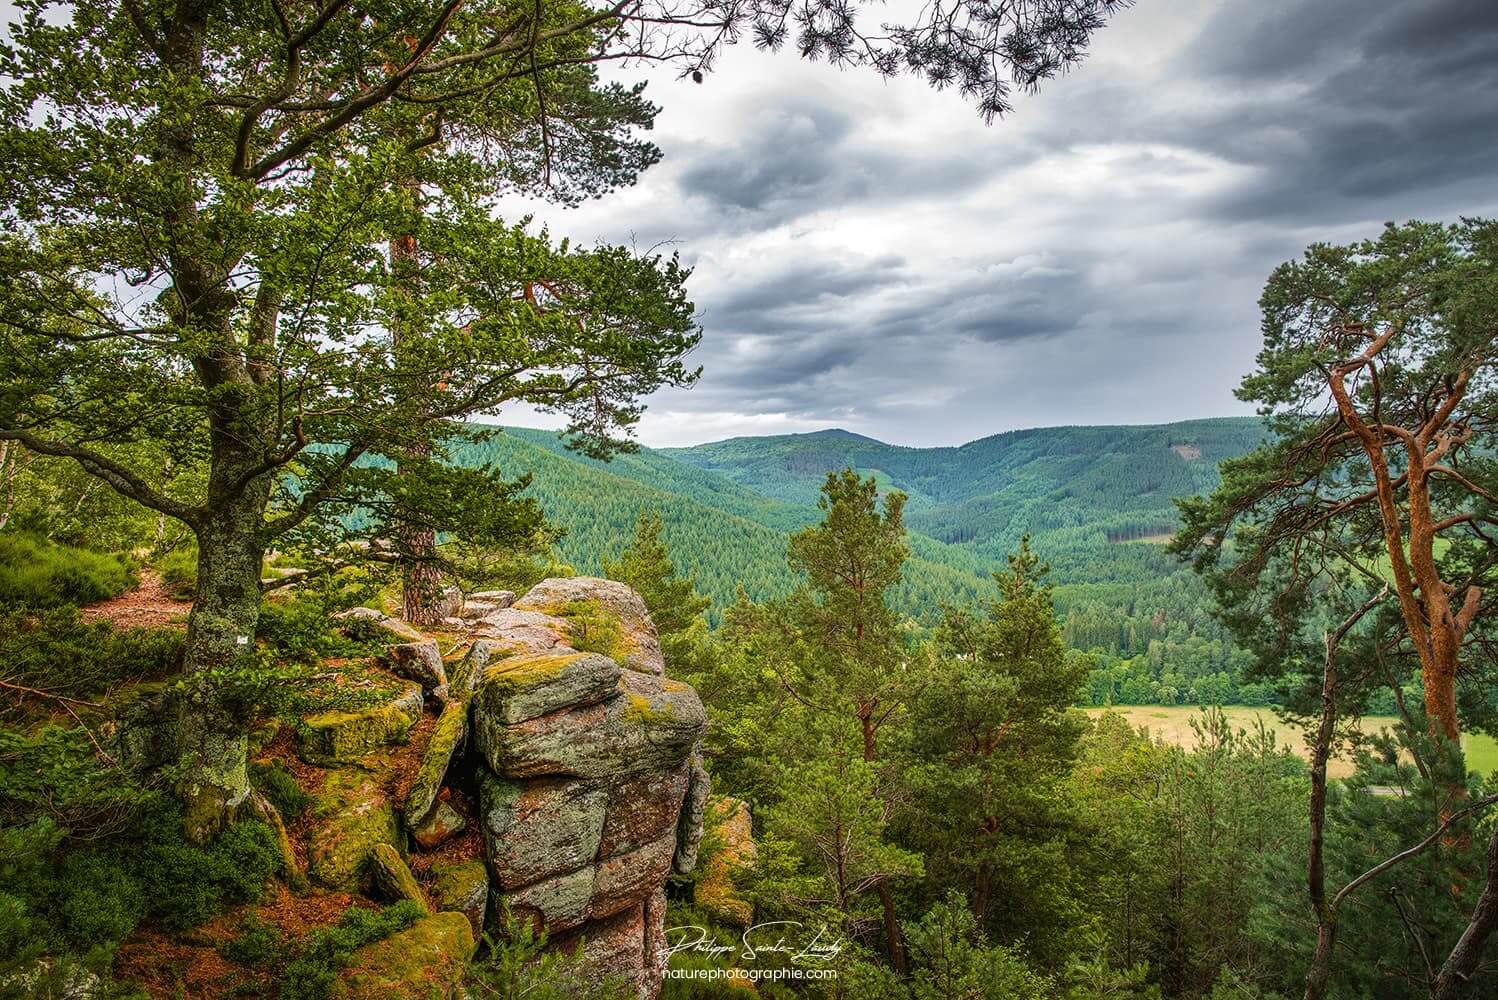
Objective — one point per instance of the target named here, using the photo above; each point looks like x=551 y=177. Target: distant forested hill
x=1092 y=498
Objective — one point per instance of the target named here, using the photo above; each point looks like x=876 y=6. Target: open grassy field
x=1173 y=723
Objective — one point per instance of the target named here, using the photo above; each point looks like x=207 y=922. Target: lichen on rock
x=351 y=815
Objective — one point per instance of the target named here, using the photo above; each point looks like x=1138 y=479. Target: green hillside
x=1085 y=494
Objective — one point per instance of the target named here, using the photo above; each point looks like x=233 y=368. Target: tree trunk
x=421 y=578
x=211 y=739
x=1319 y=974
x=1452 y=982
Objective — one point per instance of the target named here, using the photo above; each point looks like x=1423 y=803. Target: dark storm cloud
x=869 y=255
x=806 y=156
x=1341 y=108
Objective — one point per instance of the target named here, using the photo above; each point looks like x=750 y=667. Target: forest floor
x=1172 y=723
x=149 y=605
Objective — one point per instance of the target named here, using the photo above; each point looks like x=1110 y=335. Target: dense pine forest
x=1096 y=502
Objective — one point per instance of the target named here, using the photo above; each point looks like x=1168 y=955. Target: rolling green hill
x=1083 y=493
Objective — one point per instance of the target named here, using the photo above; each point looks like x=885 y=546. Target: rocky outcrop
x=590 y=790
x=640 y=648
x=351 y=817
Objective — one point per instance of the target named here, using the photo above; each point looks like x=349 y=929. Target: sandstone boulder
x=651 y=725
x=689 y=827
x=420 y=662
x=522 y=632
x=391 y=879
x=370 y=618
x=641 y=646
x=446 y=740
x=642 y=809
x=498 y=598
x=351 y=816
x=463 y=887
x=518 y=688
x=337 y=737
x=539 y=829
x=442 y=825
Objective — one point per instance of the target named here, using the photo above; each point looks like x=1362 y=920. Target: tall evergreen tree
x=673 y=602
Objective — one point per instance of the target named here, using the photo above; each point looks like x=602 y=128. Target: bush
x=321 y=955
x=280 y=788
x=92 y=897
x=179 y=571
x=298 y=628
x=55 y=649
x=258 y=945
x=36 y=573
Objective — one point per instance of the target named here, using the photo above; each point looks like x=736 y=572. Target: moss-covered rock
x=523 y=687
x=641 y=646
x=525 y=633
x=425 y=960
x=369 y=618
x=463 y=887
x=538 y=829
x=335 y=737
x=391 y=879
x=447 y=738
x=716 y=892
x=648 y=726
x=351 y=815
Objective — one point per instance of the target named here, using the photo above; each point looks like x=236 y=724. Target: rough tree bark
x=1436 y=628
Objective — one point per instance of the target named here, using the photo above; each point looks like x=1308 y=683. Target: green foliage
x=280 y=788
x=37 y=573
x=516 y=963
x=951 y=958
x=591 y=629
x=66 y=896
x=674 y=604
x=300 y=628
x=57 y=651
x=316 y=960
x=179 y=570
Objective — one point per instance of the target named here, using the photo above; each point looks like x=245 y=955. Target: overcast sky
x=870 y=256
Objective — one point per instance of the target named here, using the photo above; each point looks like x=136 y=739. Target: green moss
x=640 y=711
x=428 y=958
x=336 y=736
x=352 y=817
x=280 y=788
x=591 y=628
x=522 y=672
x=446 y=736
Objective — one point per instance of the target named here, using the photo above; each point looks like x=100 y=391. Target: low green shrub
x=258 y=944
x=280 y=788
x=299 y=627
x=62 y=898
x=179 y=571
x=37 y=573
x=323 y=953
x=56 y=650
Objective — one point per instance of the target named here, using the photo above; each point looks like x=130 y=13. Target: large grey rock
x=651 y=725
x=642 y=808
x=642 y=647
x=539 y=829
x=555 y=904
x=518 y=688
x=420 y=662
x=378 y=619
x=525 y=632
x=498 y=598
